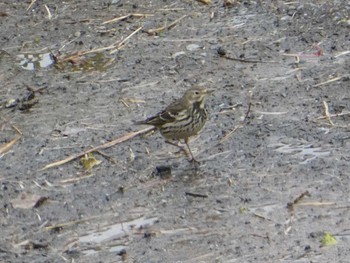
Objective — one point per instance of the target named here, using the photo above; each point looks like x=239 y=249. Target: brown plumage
x=183 y=118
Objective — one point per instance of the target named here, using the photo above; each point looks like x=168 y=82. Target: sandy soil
x=145 y=202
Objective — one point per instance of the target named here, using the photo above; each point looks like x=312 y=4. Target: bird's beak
x=210 y=91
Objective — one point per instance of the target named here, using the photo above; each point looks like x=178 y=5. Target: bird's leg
x=182 y=149
x=193 y=160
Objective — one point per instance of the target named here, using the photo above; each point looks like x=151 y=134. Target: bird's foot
x=181 y=148
x=194 y=161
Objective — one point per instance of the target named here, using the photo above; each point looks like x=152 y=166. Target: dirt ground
x=267 y=189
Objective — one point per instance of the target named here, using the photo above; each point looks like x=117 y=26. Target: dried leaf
x=230 y=3
x=89 y=161
x=328 y=240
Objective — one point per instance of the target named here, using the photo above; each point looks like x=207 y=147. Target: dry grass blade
x=121 y=44
x=116 y=46
x=74 y=180
x=244 y=120
x=319 y=52
x=328 y=81
x=4 y=148
x=117 y=19
x=31 y=4
x=127 y=101
x=316 y=204
x=71 y=223
x=342 y=53
x=334 y=115
x=7 y=146
x=207 y=2
x=296 y=56
x=326 y=113
x=100 y=147
x=49 y=15
x=160 y=29
x=228 y=135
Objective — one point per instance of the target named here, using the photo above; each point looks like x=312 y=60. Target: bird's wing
x=170 y=114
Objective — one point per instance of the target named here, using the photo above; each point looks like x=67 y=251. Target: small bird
x=183 y=118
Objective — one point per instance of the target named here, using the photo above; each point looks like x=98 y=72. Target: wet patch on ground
x=269 y=187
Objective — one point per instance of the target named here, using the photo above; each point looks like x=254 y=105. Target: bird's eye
x=196 y=92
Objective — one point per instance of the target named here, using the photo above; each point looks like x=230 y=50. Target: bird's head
x=197 y=95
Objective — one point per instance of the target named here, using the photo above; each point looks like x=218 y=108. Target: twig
x=290 y=208
x=300 y=197
x=100 y=147
x=196 y=195
x=297 y=200
x=249 y=106
x=247 y=61
x=222 y=53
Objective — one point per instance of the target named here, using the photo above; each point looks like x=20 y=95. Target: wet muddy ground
x=76 y=74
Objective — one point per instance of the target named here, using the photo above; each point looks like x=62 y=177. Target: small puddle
x=74 y=62
x=105 y=234
x=84 y=62
x=306 y=152
x=35 y=61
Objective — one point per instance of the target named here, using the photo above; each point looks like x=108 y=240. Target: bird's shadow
x=182 y=170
